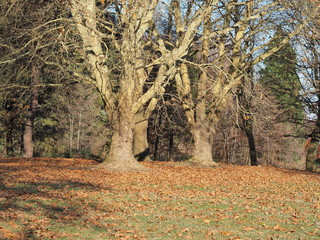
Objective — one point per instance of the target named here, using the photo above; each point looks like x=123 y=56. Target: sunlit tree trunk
x=196 y=113
x=29 y=125
x=200 y=125
x=201 y=130
x=202 y=152
x=121 y=155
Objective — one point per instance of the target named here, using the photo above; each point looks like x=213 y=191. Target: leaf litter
x=66 y=199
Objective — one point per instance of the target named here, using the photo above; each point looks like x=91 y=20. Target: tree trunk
x=27 y=137
x=141 y=148
x=9 y=139
x=311 y=160
x=252 y=146
x=157 y=142
x=71 y=129
x=170 y=147
x=140 y=143
x=79 y=132
x=121 y=157
x=312 y=163
x=202 y=153
x=201 y=128
x=9 y=125
x=202 y=149
x=244 y=98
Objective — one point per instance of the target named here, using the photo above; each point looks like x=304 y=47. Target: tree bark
x=121 y=157
x=202 y=153
x=312 y=163
x=9 y=138
x=197 y=119
x=141 y=148
x=252 y=145
x=170 y=147
x=201 y=129
x=9 y=125
x=140 y=142
x=157 y=141
x=311 y=159
x=27 y=136
x=245 y=101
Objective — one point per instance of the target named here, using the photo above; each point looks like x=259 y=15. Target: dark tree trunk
x=157 y=141
x=248 y=129
x=156 y=146
x=10 y=125
x=9 y=138
x=170 y=138
x=28 y=132
x=244 y=98
x=311 y=159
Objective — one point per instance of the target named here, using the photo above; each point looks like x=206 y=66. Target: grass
x=55 y=200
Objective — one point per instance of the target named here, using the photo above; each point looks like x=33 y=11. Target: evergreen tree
x=281 y=77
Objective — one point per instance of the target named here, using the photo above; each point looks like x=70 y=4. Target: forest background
x=125 y=81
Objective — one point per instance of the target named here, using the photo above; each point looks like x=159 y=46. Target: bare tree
x=309 y=64
x=29 y=36
x=225 y=38
x=131 y=32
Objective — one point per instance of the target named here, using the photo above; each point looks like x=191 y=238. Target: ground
x=67 y=199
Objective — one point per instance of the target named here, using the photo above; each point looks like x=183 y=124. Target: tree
x=71 y=122
x=232 y=25
x=29 y=125
x=130 y=32
x=280 y=75
x=222 y=39
x=245 y=100
x=309 y=42
x=29 y=36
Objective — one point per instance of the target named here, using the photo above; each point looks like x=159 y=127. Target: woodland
x=159 y=119
x=191 y=81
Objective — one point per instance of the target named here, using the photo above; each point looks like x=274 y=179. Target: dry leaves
x=65 y=198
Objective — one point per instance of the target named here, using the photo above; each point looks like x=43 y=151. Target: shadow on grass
x=40 y=209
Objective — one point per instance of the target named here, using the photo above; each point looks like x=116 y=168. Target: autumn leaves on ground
x=67 y=199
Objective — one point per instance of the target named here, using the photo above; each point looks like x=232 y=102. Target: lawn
x=67 y=199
